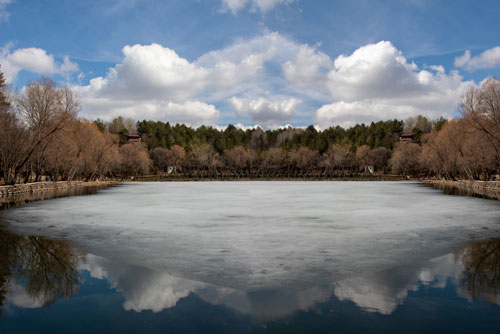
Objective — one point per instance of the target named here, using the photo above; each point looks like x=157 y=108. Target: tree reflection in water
x=481 y=270
x=47 y=269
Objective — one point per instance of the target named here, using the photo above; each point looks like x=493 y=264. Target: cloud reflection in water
x=472 y=271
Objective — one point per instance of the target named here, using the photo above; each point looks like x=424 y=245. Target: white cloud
x=266 y=5
x=264 y=111
x=437 y=68
x=347 y=114
x=376 y=82
x=463 y=59
x=240 y=126
x=153 y=81
x=191 y=112
x=264 y=77
x=234 y=6
x=4 y=14
x=374 y=70
x=151 y=71
x=307 y=70
x=35 y=60
x=487 y=59
x=241 y=67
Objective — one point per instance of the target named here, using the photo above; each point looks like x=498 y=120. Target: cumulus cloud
x=307 y=70
x=234 y=6
x=246 y=65
x=4 y=14
x=376 y=82
x=151 y=71
x=35 y=60
x=487 y=59
x=270 y=78
x=154 y=82
x=264 y=111
x=375 y=70
x=191 y=112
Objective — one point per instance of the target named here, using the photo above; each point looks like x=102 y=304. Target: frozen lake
x=265 y=249
x=257 y=235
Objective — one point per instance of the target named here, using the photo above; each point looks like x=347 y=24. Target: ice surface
x=254 y=236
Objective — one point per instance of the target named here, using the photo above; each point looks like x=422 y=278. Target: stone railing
x=36 y=187
x=486 y=189
x=13 y=196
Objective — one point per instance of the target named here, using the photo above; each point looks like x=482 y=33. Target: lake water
x=252 y=257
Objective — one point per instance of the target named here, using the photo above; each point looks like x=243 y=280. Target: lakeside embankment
x=482 y=189
x=180 y=178
x=15 y=195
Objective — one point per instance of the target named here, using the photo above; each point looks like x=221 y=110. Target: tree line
x=466 y=147
x=43 y=138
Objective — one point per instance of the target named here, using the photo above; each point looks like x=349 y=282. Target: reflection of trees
x=481 y=275
x=47 y=269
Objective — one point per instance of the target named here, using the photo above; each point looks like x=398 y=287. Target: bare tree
x=379 y=157
x=457 y=149
x=164 y=158
x=338 y=158
x=120 y=123
x=12 y=145
x=176 y=157
x=273 y=161
x=134 y=159
x=239 y=159
x=204 y=158
x=363 y=156
x=304 y=159
x=480 y=107
x=44 y=110
x=418 y=123
x=159 y=157
x=406 y=158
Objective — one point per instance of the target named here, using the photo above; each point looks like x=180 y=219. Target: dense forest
x=44 y=139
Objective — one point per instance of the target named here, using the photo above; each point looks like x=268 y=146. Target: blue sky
x=266 y=62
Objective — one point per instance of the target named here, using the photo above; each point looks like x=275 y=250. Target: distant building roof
x=406 y=136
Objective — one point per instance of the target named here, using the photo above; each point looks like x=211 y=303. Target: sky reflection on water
x=49 y=286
